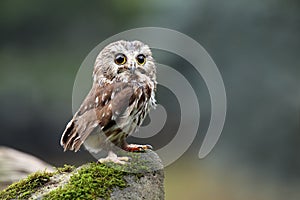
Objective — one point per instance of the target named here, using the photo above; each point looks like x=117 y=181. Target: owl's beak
x=132 y=67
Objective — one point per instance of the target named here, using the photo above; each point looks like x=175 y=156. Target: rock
x=140 y=178
x=15 y=165
x=148 y=186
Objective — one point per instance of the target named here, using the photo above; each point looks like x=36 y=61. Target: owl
x=122 y=94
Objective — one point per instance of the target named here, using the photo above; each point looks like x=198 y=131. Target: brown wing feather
x=102 y=107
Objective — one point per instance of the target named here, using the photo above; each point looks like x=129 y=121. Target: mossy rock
x=141 y=178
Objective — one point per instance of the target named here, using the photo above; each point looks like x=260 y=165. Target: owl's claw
x=112 y=157
x=137 y=147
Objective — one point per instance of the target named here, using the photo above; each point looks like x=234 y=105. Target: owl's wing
x=102 y=107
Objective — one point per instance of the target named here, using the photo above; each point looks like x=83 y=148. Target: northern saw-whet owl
x=122 y=94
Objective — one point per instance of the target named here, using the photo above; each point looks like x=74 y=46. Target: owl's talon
x=112 y=157
x=137 y=147
x=149 y=146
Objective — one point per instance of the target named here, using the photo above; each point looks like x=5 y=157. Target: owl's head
x=124 y=60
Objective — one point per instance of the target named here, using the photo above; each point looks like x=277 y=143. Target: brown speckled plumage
x=119 y=100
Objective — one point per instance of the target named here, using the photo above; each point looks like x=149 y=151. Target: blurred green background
x=254 y=43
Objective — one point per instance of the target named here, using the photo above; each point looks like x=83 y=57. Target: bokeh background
x=254 y=43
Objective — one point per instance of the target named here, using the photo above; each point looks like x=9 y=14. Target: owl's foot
x=112 y=157
x=137 y=147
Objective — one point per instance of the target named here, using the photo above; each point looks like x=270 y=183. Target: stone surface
x=148 y=186
x=15 y=165
x=141 y=178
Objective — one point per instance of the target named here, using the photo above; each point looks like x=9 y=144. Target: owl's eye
x=120 y=59
x=141 y=59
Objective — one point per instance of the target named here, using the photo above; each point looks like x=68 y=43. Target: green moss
x=90 y=182
x=24 y=188
x=65 y=168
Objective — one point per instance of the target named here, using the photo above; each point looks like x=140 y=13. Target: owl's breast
x=139 y=109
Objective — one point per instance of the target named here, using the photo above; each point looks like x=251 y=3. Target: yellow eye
x=141 y=59
x=120 y=59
